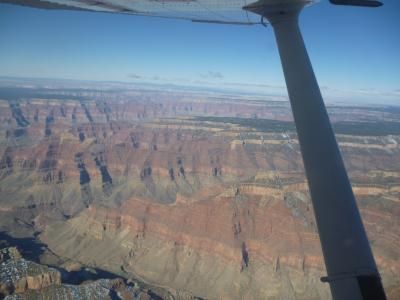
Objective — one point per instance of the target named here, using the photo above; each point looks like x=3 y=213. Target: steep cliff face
x=213 y=207
x=234 y=245
x=222 y=247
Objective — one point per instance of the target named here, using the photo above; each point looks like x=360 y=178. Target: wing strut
x=351 y=268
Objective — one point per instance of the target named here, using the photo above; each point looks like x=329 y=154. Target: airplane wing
x=210 y=11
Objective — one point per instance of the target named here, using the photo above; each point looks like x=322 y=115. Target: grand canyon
x=167 y=193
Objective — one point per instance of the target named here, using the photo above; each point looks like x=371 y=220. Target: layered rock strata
x=138 y=184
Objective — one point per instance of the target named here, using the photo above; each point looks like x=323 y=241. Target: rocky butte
x=192 y=194
x=24 y=279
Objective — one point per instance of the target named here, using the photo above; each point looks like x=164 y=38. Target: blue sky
x=352 y=49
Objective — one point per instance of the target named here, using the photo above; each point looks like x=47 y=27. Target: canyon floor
x=184 y=194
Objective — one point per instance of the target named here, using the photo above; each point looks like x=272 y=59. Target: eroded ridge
x=199 y=194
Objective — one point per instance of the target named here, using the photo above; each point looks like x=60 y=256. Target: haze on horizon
x=354 y=51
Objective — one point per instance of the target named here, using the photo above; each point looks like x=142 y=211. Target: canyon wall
x=145 y=188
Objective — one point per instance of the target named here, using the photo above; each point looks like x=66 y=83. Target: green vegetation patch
x=380 y=128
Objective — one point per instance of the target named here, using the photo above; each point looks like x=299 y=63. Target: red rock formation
x=136 y=185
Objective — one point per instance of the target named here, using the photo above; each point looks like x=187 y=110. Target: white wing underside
x=216 y=11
